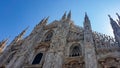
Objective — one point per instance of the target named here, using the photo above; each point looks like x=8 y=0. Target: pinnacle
x=69 y=15
x=109 y=16
x=86 y=17
x=64 y=16
x=47 y=18
x=118 y=15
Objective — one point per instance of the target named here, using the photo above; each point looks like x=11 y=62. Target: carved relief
x=110 y=63
x=74 y=64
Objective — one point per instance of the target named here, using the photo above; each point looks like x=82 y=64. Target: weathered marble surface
x=95 y=48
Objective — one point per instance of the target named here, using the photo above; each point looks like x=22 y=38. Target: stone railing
x=104 y=43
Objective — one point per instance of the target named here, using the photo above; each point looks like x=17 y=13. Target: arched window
x=75 y=50
x=49 y=36
x=38 y=58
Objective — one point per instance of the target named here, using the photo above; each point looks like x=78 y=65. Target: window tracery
x=48 y=36
x=75 y=50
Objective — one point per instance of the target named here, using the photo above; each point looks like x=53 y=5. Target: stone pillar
x=90 y=56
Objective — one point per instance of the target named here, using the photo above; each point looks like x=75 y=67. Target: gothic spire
x=39 y=24
x=23 y=32
x=86 y=18
x=69 y=15
x=64 y=16
x=45 y=21
x=87 y=24
x=115 y=28
x=20 y=36
x=3 y=43
x=113 y=24
x=118 y=15
x=41 y=21
x=118 y=20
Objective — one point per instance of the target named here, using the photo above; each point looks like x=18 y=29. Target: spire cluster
x=42 y=22
x=115 y=24
x=20 y=36
x=113 y=21
x=116 y=27
x=66 y=17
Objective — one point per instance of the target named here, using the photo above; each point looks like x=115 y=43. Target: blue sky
x=16 y=15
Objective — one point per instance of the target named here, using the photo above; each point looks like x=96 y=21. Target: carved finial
x=46 y=20
x=64 y=16
x=69 y=15
x=23 y=32
x=19 y=37
x=41 y=21
x=3 y=43
x=110 y=18
x=87 y=24
x=118 y=16
x=114 y=25
x=85 y=13
x=86 y=17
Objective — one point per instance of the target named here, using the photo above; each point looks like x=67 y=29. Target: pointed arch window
x=37 y=58
x=75 y=50
x=48 y=36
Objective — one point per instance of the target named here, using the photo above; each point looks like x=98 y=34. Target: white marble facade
x=61 y=44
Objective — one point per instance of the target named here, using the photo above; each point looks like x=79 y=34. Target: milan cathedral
x=62 y=44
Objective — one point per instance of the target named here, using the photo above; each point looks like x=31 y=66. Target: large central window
x=75 y=50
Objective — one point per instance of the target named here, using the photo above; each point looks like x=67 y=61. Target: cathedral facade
x=61 y=44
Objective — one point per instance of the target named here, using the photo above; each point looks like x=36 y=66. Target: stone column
x=90 y=55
